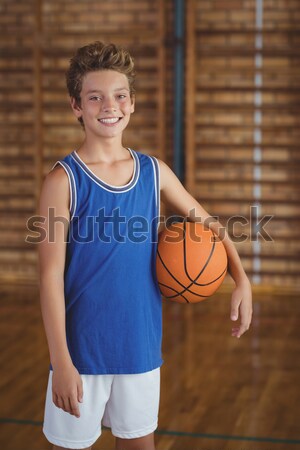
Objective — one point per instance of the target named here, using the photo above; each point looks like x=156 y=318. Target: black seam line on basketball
x=185 y=288
x=205 y=265
x=212 y=251
x=165 y=285
x=174 y=278
x=213 y=281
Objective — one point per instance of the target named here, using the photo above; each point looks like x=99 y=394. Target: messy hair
x=98 y=56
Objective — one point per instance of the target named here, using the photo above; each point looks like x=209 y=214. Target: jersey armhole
x=72 y=186
x=156 y=172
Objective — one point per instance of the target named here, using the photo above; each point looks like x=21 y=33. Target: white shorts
x=128 y=404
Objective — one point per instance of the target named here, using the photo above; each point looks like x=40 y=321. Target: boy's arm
x=54 y=201
x=174 y=195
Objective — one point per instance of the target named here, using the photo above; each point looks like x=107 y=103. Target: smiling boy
x=100 y=299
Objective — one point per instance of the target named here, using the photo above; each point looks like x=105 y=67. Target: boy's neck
x=104 y=150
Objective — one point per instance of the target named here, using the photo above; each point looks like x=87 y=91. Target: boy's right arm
x=66 y=381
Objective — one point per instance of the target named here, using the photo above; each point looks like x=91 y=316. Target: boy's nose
x=109 y=105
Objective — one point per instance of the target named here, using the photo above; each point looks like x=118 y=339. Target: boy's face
x=106 y=104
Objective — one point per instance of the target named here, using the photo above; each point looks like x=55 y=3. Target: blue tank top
x=112 y=299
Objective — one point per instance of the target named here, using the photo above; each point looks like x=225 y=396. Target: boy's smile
x=106 y=104
x=110 y=121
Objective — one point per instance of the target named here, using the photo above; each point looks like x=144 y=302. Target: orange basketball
x=191 y=262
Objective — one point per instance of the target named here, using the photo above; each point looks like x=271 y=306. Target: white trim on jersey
x=108 y=187
x=156 y=173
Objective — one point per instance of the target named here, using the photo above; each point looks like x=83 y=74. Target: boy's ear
x=75 y=107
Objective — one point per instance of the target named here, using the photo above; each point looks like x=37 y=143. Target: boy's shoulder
x=144 y=156
x=56 y=176
x=55 y=191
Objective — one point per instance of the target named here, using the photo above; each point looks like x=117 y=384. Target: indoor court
x=217 y=99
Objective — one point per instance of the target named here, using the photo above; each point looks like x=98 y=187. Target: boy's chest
x=117 y=174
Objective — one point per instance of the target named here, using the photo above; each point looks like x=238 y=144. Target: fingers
x=68 y=404
x=74 y=408
x=80 y=392
x=234 y=315
x=235 y=303
x=67 y=391
x=245 y=324
x=60 y=403
x=239 y=331
x=241 y=306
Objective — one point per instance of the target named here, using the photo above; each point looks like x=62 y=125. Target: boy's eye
x=95 y=98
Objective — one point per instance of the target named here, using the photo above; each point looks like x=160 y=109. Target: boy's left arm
x=175 y=196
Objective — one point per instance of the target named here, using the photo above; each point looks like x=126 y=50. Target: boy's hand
x=67 y=389
x=241 y=306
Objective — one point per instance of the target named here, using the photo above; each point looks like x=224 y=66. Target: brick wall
x=37 y=126
x=224 y=173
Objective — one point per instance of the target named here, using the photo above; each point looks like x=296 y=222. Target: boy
x=100 y=300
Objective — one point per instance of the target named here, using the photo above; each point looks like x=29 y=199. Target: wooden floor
x=217 y=393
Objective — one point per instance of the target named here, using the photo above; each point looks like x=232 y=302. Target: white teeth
x=112 y=120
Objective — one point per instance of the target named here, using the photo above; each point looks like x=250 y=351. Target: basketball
x=191 y=262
